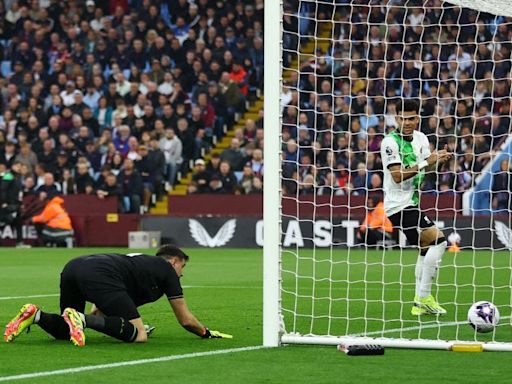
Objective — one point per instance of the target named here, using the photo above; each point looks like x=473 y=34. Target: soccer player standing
x=405 y=156
x=116 y=284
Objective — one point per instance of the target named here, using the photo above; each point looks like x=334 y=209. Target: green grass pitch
x=224 y=290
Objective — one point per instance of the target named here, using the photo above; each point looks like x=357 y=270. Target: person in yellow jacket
x=376 y=227
x=53 y=224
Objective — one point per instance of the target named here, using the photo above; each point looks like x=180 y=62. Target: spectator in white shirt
x=172 y=148
x=122 y=85
x=68 y=95
x=416 y=17
x=96 y=23
x=167 y=87
x=463 y=59
x=138 y=108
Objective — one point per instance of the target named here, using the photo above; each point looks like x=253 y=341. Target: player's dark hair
x=408 y=105
x=168 y=250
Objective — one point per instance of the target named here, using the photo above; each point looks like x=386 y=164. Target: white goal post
x=318 y=287
x=272 y=185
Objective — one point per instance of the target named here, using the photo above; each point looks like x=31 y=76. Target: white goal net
x=346 y=67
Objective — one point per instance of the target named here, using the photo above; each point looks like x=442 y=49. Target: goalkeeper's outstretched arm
x=188 y=321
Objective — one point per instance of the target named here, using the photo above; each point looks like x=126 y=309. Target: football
x=483 y=316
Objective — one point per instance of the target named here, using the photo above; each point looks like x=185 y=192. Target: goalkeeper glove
x=215 y=335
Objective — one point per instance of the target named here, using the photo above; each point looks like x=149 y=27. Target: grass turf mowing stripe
x=128 y=363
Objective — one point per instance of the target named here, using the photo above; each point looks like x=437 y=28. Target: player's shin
x=53 y=324
x=418 y=272
x=430 y=266
x=113 y=326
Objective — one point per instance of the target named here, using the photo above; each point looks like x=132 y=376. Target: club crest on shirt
x=389 y=152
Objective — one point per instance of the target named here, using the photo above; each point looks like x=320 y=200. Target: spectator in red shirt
x=239 y=76
x=207 y=110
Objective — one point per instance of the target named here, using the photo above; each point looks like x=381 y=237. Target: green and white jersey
x=395 y=150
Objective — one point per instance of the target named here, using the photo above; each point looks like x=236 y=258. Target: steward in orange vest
x=376 y=226
x=53 y=224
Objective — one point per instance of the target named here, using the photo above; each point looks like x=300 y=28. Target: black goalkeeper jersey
x=145 y=278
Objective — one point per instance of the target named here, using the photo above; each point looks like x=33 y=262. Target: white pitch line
x=417 y=327
x=184 y=286
x=221 y=287
x=128 y=363
x=247 y=287
x=28 y=297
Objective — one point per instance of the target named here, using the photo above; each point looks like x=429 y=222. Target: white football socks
x=430 y=266
x=418 y=273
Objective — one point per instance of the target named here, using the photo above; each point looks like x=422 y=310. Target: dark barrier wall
x=87 y=204
x=97 y=224
x=216 y=205
x=95 y=221
x=74 y=204
x=104 y=230
x=90 y=230
x=247 y=232
x=308 y=205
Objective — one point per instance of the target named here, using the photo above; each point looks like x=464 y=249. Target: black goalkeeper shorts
x=78 y=285
x=410 y=220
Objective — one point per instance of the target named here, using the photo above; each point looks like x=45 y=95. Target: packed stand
x=338 y=108
x=118 y=98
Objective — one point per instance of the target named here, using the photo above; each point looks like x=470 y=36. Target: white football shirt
x=398 y=196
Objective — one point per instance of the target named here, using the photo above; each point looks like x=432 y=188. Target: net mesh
x=346 y=65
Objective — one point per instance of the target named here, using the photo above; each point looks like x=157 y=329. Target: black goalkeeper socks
x=54 y=325
x=113 y=326
x=95 y=322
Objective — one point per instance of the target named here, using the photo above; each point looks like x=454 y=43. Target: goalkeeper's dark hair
x=168 y=250
x=408 y=105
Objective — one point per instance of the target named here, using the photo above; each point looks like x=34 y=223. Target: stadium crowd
x=337 y=108
x=118 y=97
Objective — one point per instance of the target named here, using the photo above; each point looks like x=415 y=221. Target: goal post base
x=396 y=343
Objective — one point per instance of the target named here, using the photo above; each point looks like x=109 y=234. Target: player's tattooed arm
x=399 y=173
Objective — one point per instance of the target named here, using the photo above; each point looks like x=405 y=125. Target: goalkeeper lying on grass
x=117 y=285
